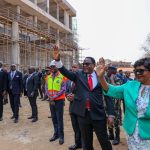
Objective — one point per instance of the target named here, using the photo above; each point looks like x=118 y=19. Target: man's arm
x=68 y=87
x=35 y=79
x=21 y=82
x=5 y=81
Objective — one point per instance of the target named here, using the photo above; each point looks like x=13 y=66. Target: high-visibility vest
x=54 y=86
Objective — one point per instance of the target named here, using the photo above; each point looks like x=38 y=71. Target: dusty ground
x=34 y=136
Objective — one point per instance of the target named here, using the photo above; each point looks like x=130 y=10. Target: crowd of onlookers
x=89 y=108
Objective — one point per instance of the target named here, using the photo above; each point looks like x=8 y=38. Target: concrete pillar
x=58 y=38
x=35 y=2
x=15 y=52
x=75 y=56
x=37 y=58
x=47 y=6
x=18 y=9
x=58 y=11
x=35 y=20
x=66 y=19
x=18 y=12
x=66 y=37
x=49 y=28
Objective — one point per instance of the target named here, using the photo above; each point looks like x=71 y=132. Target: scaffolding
x=35 y=42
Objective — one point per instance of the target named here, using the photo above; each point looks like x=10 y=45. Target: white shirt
x=13 y=74
x=0 y=69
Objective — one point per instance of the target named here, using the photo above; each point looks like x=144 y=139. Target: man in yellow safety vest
x=56 y=87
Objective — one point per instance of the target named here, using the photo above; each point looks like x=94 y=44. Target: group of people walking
x=14 y=83
x=95 y=98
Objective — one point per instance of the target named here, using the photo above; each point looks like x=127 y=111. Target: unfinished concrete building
x=30 y=28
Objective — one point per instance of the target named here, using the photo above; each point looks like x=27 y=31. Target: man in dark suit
x=15 y=91
x=39 y=82
x=88 y=102
x=25 y=76
x=70 y=90
x=3 y=88
x=32 y=92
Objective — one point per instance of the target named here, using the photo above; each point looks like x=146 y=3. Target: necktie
x=90 y=82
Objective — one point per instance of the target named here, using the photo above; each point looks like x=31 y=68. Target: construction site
x=30 y=28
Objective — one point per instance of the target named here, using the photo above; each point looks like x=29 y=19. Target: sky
x=113 y=29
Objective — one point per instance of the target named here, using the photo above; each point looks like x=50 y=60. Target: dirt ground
x=35 y=136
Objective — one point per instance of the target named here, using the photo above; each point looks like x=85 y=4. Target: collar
x=0 y=69
x=13 y=71
x=31 y=74
x=55 y=74
x=92 y=74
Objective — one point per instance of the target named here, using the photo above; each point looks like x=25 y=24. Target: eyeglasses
x=139 y=71
x=86 y=64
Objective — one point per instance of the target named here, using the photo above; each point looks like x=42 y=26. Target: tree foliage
x=146 y=46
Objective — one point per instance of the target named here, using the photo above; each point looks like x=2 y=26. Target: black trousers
x=57 y=112
x=86 y=127
x=33 y=105
x=76 y=129
x=1 y=105
x=40 y=90
x=14 y=103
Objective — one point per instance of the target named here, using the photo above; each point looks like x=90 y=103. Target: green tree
x=146 y=46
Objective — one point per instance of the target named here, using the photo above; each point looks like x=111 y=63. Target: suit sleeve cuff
x=112 y=116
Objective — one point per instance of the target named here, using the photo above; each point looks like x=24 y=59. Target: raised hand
x=100 y=69
x=56 y=53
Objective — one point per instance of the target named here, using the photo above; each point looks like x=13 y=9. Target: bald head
x=75 y=67
x=31 y=69
x=13 y=67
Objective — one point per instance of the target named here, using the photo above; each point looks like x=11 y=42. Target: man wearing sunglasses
x=88 y=102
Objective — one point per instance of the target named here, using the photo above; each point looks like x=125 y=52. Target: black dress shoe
x=55 y=137
x=16 y=120
x=49 y=116
x=1 y=119
x=61 y=141
x=74 y=147
x=30 y=117
x=34 y=120
x=116 y=142
x=111 y=137
x=12 y=117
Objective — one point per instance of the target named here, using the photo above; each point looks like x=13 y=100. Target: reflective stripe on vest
x=54 y=86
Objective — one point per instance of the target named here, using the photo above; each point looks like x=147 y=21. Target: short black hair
x=112 y=68
x=143 y=62
x=92 y=59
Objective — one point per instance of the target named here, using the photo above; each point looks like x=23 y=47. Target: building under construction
x=30 y=28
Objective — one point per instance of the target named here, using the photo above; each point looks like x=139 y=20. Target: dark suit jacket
x=32 y=85
x=24 y=80
x=83 y=93
x=69 y=90
x=3 y=81
x=16 y=83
